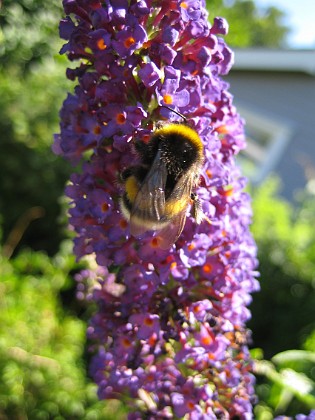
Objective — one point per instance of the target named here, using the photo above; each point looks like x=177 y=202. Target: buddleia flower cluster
x=169 y=336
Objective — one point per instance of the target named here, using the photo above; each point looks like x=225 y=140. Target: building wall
x=289 y=98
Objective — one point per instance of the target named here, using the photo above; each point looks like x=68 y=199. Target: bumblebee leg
x=196 y=210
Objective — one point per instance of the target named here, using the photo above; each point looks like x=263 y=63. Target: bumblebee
x=158 y=190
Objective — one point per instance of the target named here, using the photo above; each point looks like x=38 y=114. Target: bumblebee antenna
x=175 y=112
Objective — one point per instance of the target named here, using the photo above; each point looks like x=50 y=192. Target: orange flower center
x=168 y=99
x=207 y=268
x=105 y=207
x=97 y=129
x=129 y=41
x=120 y=118
x=101 y=44
x=148 y=322
x=123 y=224
x=155 y=242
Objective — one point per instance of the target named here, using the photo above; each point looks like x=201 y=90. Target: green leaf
x=298 y=356
x=298 y=384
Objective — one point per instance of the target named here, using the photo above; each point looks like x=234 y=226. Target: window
x=267 y=139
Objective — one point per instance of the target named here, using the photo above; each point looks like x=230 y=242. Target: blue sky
x=300 y=17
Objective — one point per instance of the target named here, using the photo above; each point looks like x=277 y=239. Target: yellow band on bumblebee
x=181 y=130
x=174 y=207
x=132 y=188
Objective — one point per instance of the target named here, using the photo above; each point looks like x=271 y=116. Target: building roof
x=265 y=59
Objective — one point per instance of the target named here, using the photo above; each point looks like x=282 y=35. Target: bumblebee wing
x=149 y=204
x=169 y=234
x=179 y=198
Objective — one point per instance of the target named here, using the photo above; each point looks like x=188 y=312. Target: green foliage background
x=42 y=343
x=249 y=25
x=43 y=356
x=283 y=312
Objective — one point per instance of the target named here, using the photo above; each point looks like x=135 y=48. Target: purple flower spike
x=169 y=333
x=149 y=74
x=129 y=39
x=220 y=26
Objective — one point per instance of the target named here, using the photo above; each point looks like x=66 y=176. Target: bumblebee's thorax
x=178 y=155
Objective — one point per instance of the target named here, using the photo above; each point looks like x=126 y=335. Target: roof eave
x=264 y=59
